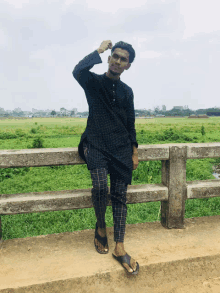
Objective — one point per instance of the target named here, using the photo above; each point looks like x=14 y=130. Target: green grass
x=49 y=142
x=64 y=133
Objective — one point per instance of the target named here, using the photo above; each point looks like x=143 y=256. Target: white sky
x=177 y=45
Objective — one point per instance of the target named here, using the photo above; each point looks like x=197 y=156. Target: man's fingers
x=135 y=166
x=135 y=163
x=105 y=45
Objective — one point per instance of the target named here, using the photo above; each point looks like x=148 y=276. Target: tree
x=53 y=113
x=156 y=109
x=164 y=108
x=63 y=111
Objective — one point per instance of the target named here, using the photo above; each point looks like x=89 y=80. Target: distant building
x=212 y=113
x=75 y=110
x=178 y=108
x=199 y=116
x=17 y=110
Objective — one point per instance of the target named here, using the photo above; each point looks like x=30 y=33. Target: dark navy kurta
x=110 y=124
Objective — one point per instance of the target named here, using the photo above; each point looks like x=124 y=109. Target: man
x=108 y=145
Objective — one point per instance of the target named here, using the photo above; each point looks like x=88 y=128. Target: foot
x=102 y=233
x=119 y=251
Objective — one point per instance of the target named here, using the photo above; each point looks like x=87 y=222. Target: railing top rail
x=69 y=156
x=145 y=146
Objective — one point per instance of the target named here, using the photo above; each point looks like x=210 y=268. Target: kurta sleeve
x=81 y=71
x=131 y=119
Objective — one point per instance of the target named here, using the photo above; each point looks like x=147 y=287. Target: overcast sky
x=177 y=45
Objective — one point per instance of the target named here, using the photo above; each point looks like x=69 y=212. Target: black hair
x=127 y=47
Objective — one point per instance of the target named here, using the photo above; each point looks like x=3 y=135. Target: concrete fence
x=172 y=192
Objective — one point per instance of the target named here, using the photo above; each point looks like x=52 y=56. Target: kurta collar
x=112 y=80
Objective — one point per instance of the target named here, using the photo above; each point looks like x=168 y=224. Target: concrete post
x=174 y=177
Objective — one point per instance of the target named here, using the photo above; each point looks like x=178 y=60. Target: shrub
x=33 y=130
x=19 y=132
x=203 y=130
x=7 y=135
x=38 y=143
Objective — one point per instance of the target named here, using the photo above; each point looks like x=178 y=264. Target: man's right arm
x=81 y=71
x=99 y=51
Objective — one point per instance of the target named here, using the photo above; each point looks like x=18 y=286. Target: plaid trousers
x=118 y=191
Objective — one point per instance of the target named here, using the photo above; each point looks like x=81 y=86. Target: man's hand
x=135 y=161
x=135 y=158
x=105 y=45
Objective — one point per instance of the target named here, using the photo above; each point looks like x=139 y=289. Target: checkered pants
x=118 y=191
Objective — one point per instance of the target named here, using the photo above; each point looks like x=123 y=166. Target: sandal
x=126 y=259
x=102 y=240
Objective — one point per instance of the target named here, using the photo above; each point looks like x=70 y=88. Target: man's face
x=119 y=61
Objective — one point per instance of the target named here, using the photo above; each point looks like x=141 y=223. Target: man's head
x=122 y=55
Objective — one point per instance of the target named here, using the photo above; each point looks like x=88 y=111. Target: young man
x=108 y=145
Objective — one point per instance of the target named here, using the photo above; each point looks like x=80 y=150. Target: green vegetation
x=66 y=132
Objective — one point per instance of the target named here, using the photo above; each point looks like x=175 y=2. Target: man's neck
x=111 y=76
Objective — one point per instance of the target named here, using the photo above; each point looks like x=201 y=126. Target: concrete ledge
x=203 y=188
x=81 y=198
x=70 y=156
x=68 y=262
x=73 y=199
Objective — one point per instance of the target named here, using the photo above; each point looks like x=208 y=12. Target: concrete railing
x=172 y=192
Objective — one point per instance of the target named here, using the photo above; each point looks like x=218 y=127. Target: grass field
x=66 y=132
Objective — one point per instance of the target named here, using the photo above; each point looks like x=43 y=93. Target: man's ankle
x=119 y=245
x=119 y=248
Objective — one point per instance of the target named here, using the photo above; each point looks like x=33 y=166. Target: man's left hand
x=135 y=161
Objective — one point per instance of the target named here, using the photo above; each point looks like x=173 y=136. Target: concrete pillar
x=174 y=177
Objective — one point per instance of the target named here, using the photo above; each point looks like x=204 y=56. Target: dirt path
x=209 y=285
x=171 y=261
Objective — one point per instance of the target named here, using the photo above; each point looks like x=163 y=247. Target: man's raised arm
x=81 y=71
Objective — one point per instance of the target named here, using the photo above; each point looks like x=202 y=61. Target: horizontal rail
x=46 y=201
x=73 y=199
x=69 y=156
